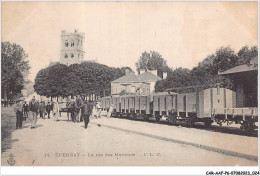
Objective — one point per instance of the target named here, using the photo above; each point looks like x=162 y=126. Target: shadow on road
x=213 y=128
x=8 y=126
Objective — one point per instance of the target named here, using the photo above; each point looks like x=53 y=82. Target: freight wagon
x=208 y=105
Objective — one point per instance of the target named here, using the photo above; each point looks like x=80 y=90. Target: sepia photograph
x=129 y=83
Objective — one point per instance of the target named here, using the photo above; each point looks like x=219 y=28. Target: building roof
x=127 y=79
x=242 y=68
x=149 y=77
x=144 y=77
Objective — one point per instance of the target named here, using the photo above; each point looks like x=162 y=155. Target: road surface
x=64 y=143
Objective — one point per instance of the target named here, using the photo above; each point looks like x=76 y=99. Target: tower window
x=78 y=42
x=72 y=55
x=78 y=55
x=72 y=43
x=66 y=43
x=65 y=56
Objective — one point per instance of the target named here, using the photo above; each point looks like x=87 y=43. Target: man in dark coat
x=42 y=109
x=48 y=109
x=78 y=106
x=18 y=108
x=86 y=112
x=34 y=108
x=25 y=110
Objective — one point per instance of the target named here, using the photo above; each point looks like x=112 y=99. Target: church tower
x=72 y=47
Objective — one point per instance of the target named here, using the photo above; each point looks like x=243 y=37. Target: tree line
x=206 y=72
x=93 y=78
x=83 y=79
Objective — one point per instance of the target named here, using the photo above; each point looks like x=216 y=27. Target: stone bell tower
x=72 y=47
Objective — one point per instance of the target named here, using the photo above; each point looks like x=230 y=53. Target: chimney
x=142 y=71
x=164 y=75
x=127 y=72
x=76 y=30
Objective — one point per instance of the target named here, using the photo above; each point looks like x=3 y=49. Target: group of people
x=32 y=110
x=78 y=110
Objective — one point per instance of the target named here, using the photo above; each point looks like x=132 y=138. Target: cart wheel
x=207 y=123
x=191 y=123
x=146 y=117
x=157 y=118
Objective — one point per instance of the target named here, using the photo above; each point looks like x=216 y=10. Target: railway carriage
x=208 y=105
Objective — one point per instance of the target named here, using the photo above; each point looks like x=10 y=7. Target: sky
x=117 y=33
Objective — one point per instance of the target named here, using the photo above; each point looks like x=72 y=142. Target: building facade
x=72 y=45
x=142 y=84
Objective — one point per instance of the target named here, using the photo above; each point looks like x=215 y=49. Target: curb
x=213 y=149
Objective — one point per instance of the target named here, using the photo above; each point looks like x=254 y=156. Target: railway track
x=234 y=129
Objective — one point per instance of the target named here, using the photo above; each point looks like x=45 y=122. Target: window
x=78 y=42
x=66 y=43
x=72 y=43
x=72 y=55
x=65 y=56
x=78 y=55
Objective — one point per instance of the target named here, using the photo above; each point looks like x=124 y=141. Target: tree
x=85 y=79
x=14 y=69
x=225 y=59
x=245 y=54
x=152 y=61
x=177 y=78
x=48 y=82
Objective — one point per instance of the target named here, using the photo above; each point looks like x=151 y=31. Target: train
x=209 y=105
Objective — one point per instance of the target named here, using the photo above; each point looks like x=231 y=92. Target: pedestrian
x=98 y=109
x=86 y=112
x=42 y=109
x=48 y=109
x=72 y=110
x=55 y=110
x=33 y=107
x=78 y=106
x=18 y=108
x=25 y=110
x=68 y=107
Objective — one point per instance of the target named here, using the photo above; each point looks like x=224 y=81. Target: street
x=118 y=142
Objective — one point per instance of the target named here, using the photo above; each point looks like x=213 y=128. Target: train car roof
x=163 y=93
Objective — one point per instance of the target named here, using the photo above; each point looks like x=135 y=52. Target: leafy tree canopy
x=14 y=69
x=206 y=72
x=152 y=61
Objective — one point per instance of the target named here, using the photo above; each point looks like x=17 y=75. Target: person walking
x=86 y=112
x=48 y=109
x=68 y=108
x=25 y=110
x=42 y=109
x=72 y=110
x=78 y=106
x=33 y=107
x=55 y=110
x=18 y=108
x=98 y=109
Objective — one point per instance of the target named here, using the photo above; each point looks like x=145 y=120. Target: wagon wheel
x=207 y=123
x=191 y=122
x=157 y=117
x=248 y=127
x=146 y=117
x=174 y=120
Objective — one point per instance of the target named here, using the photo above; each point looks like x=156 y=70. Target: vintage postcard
x=129 y=83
